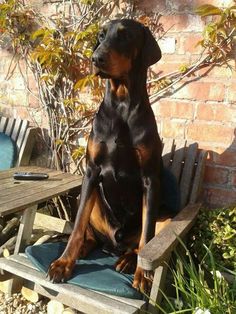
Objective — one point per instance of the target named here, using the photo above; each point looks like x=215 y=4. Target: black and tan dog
x=121 y=190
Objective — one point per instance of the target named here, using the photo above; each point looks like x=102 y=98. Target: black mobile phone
x=30 y=176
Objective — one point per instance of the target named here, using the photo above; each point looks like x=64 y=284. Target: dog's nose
x=98 y=60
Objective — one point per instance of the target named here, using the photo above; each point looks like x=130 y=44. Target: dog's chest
x=113 y=131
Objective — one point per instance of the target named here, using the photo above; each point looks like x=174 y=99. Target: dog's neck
x=130 y=89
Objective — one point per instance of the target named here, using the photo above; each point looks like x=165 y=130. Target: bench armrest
x=159 y=248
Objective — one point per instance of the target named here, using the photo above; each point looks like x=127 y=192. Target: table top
x=16 y=195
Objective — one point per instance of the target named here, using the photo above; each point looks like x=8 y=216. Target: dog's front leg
x=151 y=165
x=61 y=268
x=151 y=198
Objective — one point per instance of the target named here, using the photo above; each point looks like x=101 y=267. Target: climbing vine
x=57 y=50
x=218 y=40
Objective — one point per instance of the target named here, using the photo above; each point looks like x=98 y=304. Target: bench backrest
x=186 y=162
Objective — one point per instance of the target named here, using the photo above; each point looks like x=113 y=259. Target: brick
x=217 y=91
x=189 y=6
x=37 y=116
x=215 y=112
x=33 y=101
x=231 y=95
x=226 y=158
x=210 y=133
x=188 y=44
x=151 y=6
x=172 y=129
x=175 y=109
x=32 y=83
x=167 y=44
x=181 y=5
x=169 y=64
x=201 y=91
x=221 y=156
x=219 y=196
x=218 y=71
x=233 y=178
x=18 y=98
x=174 y=23
x=216 y=175
x=162 y=68
x=23 y=113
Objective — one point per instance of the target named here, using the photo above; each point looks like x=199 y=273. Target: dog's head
x=121 y=43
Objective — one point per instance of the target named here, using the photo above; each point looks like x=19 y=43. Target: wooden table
x=17 y=196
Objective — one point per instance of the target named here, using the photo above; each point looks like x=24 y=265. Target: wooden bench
x=22 y=134
x=187 y=164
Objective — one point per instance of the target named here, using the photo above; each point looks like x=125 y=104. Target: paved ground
x=17 y=304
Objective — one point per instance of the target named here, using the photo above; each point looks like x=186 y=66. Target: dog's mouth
x=100 y=72
x=106 y=74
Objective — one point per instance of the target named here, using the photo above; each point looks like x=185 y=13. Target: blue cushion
x=7 y=152
x=95 y=272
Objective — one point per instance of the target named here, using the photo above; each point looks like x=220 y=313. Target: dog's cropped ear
x=151 y=52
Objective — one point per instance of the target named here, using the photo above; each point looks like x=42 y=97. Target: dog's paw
x=127 y=263
x=60 y=270
x=143 y=280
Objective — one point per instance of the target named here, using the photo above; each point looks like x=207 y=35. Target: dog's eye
x=101 y=36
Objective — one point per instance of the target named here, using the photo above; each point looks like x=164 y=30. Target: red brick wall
x=201 y=109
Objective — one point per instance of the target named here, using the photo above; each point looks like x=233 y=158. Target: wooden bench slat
x=187 y=174
x=16 y=129
x=23 y=260
x=53 y=223
x=176 y=166
x=3 y=123
x=198 y=178
x=21 y=134
x=88 y=301
x=9 y=127
x=167 y=152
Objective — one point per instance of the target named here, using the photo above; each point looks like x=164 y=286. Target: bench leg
x=25 y=229
x=158 y=286
x=23 y=237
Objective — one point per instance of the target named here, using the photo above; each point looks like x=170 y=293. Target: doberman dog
x=121 y=189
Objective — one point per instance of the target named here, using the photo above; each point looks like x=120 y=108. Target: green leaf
x=59 y=142
x=39 y=33
x=78 y=152
x=82 y=83
x=183 y=68
x=208 y=9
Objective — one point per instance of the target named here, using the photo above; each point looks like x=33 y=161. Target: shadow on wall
x=220 y=177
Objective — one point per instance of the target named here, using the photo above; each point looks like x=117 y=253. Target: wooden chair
x=23 y=136
x=187 y=164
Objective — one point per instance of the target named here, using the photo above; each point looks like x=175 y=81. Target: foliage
x=57 y=51
x=217 y=42
x=57 y=54
x=217 y=230
x=218 y=32
x=196 y=290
